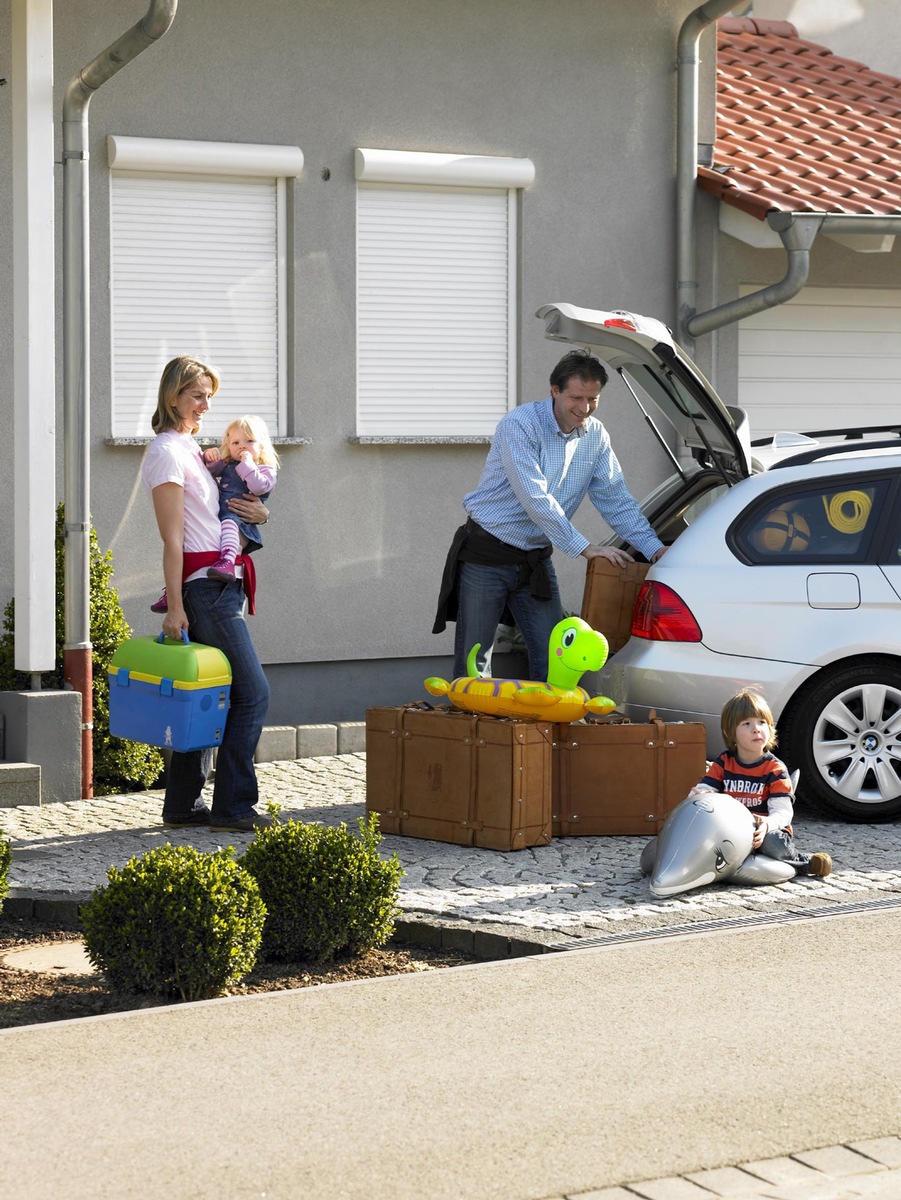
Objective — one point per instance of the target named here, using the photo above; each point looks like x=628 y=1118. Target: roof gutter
x=797 y=231
x=76 y=354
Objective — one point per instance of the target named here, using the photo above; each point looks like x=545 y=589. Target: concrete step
x=20 y=783
x=280 y=742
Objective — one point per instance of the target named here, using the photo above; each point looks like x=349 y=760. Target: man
x=545 y=459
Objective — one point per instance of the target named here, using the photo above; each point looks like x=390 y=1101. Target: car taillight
x=662 y=616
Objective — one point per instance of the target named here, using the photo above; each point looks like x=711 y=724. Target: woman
x=186 y=503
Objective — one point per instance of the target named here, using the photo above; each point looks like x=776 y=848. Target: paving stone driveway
x=574 y=888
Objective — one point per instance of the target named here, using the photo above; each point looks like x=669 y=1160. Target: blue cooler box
x=169 y=694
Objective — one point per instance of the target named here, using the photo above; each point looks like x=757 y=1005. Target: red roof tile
x=799 y=129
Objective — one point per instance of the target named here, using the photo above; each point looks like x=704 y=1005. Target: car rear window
x=822 y=522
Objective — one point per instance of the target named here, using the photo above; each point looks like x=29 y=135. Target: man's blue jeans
x=482 y=593
x=215 y=613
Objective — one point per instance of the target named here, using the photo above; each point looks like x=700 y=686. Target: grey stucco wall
x=349 y=574
x=866 y=30
x=358 y=533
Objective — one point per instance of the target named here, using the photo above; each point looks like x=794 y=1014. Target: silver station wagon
x=783 y=573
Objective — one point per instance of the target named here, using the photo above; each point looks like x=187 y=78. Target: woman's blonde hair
x=741 y=707
x=254 y=428
x=178 y=374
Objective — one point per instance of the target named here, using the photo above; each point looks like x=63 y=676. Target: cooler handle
x=184 y=635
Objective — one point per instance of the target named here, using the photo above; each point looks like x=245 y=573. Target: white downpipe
x=76 y=350
x=34 y=370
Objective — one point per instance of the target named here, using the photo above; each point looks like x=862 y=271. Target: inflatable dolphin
x=708 y=838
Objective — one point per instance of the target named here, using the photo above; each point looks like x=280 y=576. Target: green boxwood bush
x=6 y=858
x=176 y=923
x=326 y=890
x=119 y=765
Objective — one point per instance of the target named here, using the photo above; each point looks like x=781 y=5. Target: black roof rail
x=809 y=456
x=855 y=434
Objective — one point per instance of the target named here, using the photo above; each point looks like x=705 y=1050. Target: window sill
x=385 y=439
x=202 y=441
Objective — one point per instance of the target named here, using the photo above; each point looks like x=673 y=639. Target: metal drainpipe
x=77 y=665
x=798 y=232
x=687 y=60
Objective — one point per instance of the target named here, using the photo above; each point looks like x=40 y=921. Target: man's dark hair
x=578 y=364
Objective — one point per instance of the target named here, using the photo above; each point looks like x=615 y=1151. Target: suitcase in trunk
x=457 y=777
x=613 y=777
x=608 y=600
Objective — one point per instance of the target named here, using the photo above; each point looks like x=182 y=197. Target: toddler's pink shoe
x=222 y=569
x=161 y=605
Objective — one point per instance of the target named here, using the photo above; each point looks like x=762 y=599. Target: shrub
x=119 y=765
x=6 y=857
x=326 y=891
x=175 y=922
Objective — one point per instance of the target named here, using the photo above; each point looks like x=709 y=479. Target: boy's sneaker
x=222 y=569
x=161 y=605
x=820 y=864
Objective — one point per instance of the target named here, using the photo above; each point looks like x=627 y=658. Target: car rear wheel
x=845 y=736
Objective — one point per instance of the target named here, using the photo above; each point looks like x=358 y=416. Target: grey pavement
x=758 y=1058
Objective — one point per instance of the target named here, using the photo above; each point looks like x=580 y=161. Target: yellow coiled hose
x=847 y=512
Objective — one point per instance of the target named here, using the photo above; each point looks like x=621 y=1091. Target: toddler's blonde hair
x=255 y=428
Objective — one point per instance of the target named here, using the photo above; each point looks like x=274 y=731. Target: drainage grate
x=729 y=923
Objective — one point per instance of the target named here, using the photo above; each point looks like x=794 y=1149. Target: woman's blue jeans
x=215 y=613
x=482 y=593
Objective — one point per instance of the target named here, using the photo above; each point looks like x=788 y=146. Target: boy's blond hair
x=255 y=428
x=740 y=707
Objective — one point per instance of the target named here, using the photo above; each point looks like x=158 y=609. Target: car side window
x=821 y=523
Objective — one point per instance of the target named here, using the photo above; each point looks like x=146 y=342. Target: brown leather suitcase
x=608 y=600
x=613 y=777
x=457 y=777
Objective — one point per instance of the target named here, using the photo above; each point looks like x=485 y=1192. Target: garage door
x=829 y=358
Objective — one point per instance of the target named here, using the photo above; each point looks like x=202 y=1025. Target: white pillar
x=34 y=334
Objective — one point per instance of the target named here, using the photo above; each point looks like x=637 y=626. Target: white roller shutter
x=435 y=281
x=195 y=269
x=828 y=359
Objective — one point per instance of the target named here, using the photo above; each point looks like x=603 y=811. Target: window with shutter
x=198 y=267
x=436 y=285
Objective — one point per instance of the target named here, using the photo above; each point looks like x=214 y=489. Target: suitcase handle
x=184 y=635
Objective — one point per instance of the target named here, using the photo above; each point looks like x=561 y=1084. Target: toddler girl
x=245 y=461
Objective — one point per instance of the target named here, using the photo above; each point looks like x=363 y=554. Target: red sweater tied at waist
x=196 y=560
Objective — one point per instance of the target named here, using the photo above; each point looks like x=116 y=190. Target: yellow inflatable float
x=574 y=648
